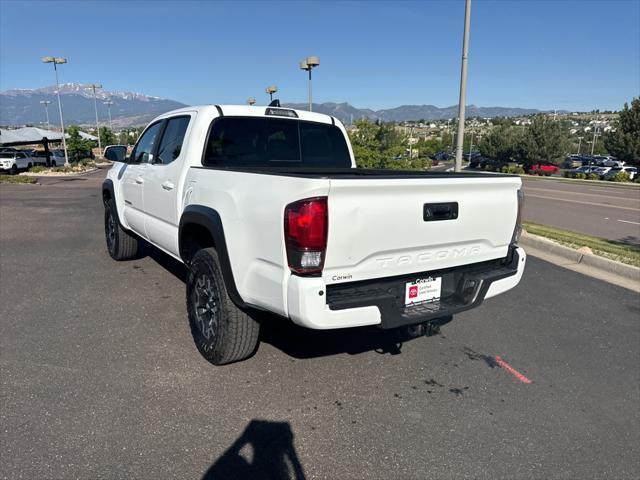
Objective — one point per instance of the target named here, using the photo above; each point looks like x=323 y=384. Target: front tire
x=121 y=244
x=222 y=332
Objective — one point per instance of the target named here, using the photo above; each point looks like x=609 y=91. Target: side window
x=144 y=148
x=171 y=143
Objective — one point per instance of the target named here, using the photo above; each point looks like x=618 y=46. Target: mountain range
x=129 y=109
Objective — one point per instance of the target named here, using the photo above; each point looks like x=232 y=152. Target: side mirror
x=116 y=153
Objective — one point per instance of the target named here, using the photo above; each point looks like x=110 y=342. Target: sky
x=546 y=54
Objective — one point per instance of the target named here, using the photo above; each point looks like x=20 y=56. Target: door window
x=144 y=149
x=171 y=143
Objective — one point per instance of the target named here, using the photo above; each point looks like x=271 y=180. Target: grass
x=618 y=251
x=17 y=179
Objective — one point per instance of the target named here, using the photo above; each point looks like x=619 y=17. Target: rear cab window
x=275 y=142
x=172 y=138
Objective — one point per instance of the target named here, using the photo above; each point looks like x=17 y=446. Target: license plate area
x=422 y=290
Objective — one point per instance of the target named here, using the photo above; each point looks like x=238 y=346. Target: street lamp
x=251 y=101
x=108 y=104
x=46 y=111
x=463 y=85
x=271 y=89
x=308 y=64
x=93 y=86
x=59 y=61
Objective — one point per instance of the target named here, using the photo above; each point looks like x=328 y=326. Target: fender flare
x=107 y=185
x=210 y=219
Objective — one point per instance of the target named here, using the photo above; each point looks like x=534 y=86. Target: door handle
x=167 y=185
x=139 y=180
x=433 y=212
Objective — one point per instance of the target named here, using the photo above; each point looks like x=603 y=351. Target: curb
x=627 y=272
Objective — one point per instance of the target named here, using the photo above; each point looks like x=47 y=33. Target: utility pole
x=108 y=104
x=463 y=85
x=595 y=136
x=95 y=104
x=309 y=64
x=59 y=61
x=46 y=111
x=579 y=142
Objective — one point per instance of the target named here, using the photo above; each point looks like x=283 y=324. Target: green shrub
x=38 y=169
x=513 y=169
x=593 y=176
x=580 y=176
x=620 y=177
x=568 y=174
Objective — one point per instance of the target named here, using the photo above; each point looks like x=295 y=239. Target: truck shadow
x=299 y=342
x=265 y=450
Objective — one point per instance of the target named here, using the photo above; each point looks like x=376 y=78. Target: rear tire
x=121 y=244
x=222 y=332
x=14 y=169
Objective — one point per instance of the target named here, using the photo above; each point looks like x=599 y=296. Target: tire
x=53 y=163
x=121 y=244
x=14 y=169
x=222 y=332
x=29 y=166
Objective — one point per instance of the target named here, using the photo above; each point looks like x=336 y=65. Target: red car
x=543 y=169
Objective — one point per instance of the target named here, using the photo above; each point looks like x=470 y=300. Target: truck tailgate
x=378 y=227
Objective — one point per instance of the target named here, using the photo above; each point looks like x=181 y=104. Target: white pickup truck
x=266 y=208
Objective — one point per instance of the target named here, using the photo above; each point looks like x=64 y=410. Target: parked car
x=602 y=171
x=586 y=169
x=631 y=171
x=572 y=161
x=545 y=169
x=267 y=210
x=15 y=161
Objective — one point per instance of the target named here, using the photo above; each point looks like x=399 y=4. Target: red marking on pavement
x=512 y=370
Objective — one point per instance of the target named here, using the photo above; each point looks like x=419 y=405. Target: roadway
x=607 y=211
x=100 y=378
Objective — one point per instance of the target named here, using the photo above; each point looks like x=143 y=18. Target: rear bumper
x=313 y=304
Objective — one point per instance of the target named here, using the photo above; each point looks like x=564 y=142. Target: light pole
x=271 y=89
x=93 y=86
x=463 y=85
x=471 y=146
x=251 y=101
x=309 y=64
x=108 y=104
x=59 y=61
x=46 y=111
x=579 y=142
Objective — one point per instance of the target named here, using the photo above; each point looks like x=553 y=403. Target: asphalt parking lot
x=100 y=377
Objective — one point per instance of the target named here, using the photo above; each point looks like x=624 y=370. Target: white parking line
x=628 y=221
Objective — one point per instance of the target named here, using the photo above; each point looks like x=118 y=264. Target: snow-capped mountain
x=22 y=106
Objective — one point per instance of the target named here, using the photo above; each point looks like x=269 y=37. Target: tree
x=624 y=143
x=543 y=141
x=106 y=136
x=381 y=145
x=503 y=144
x=77 y=147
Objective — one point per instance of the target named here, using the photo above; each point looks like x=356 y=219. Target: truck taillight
x=517 y=231
x=305 y=234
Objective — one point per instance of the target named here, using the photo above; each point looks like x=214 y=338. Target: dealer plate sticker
x=423 y=290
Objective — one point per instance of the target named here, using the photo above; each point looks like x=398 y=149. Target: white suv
x=14 y=161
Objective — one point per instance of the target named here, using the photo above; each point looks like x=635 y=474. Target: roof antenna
x=275 y=103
